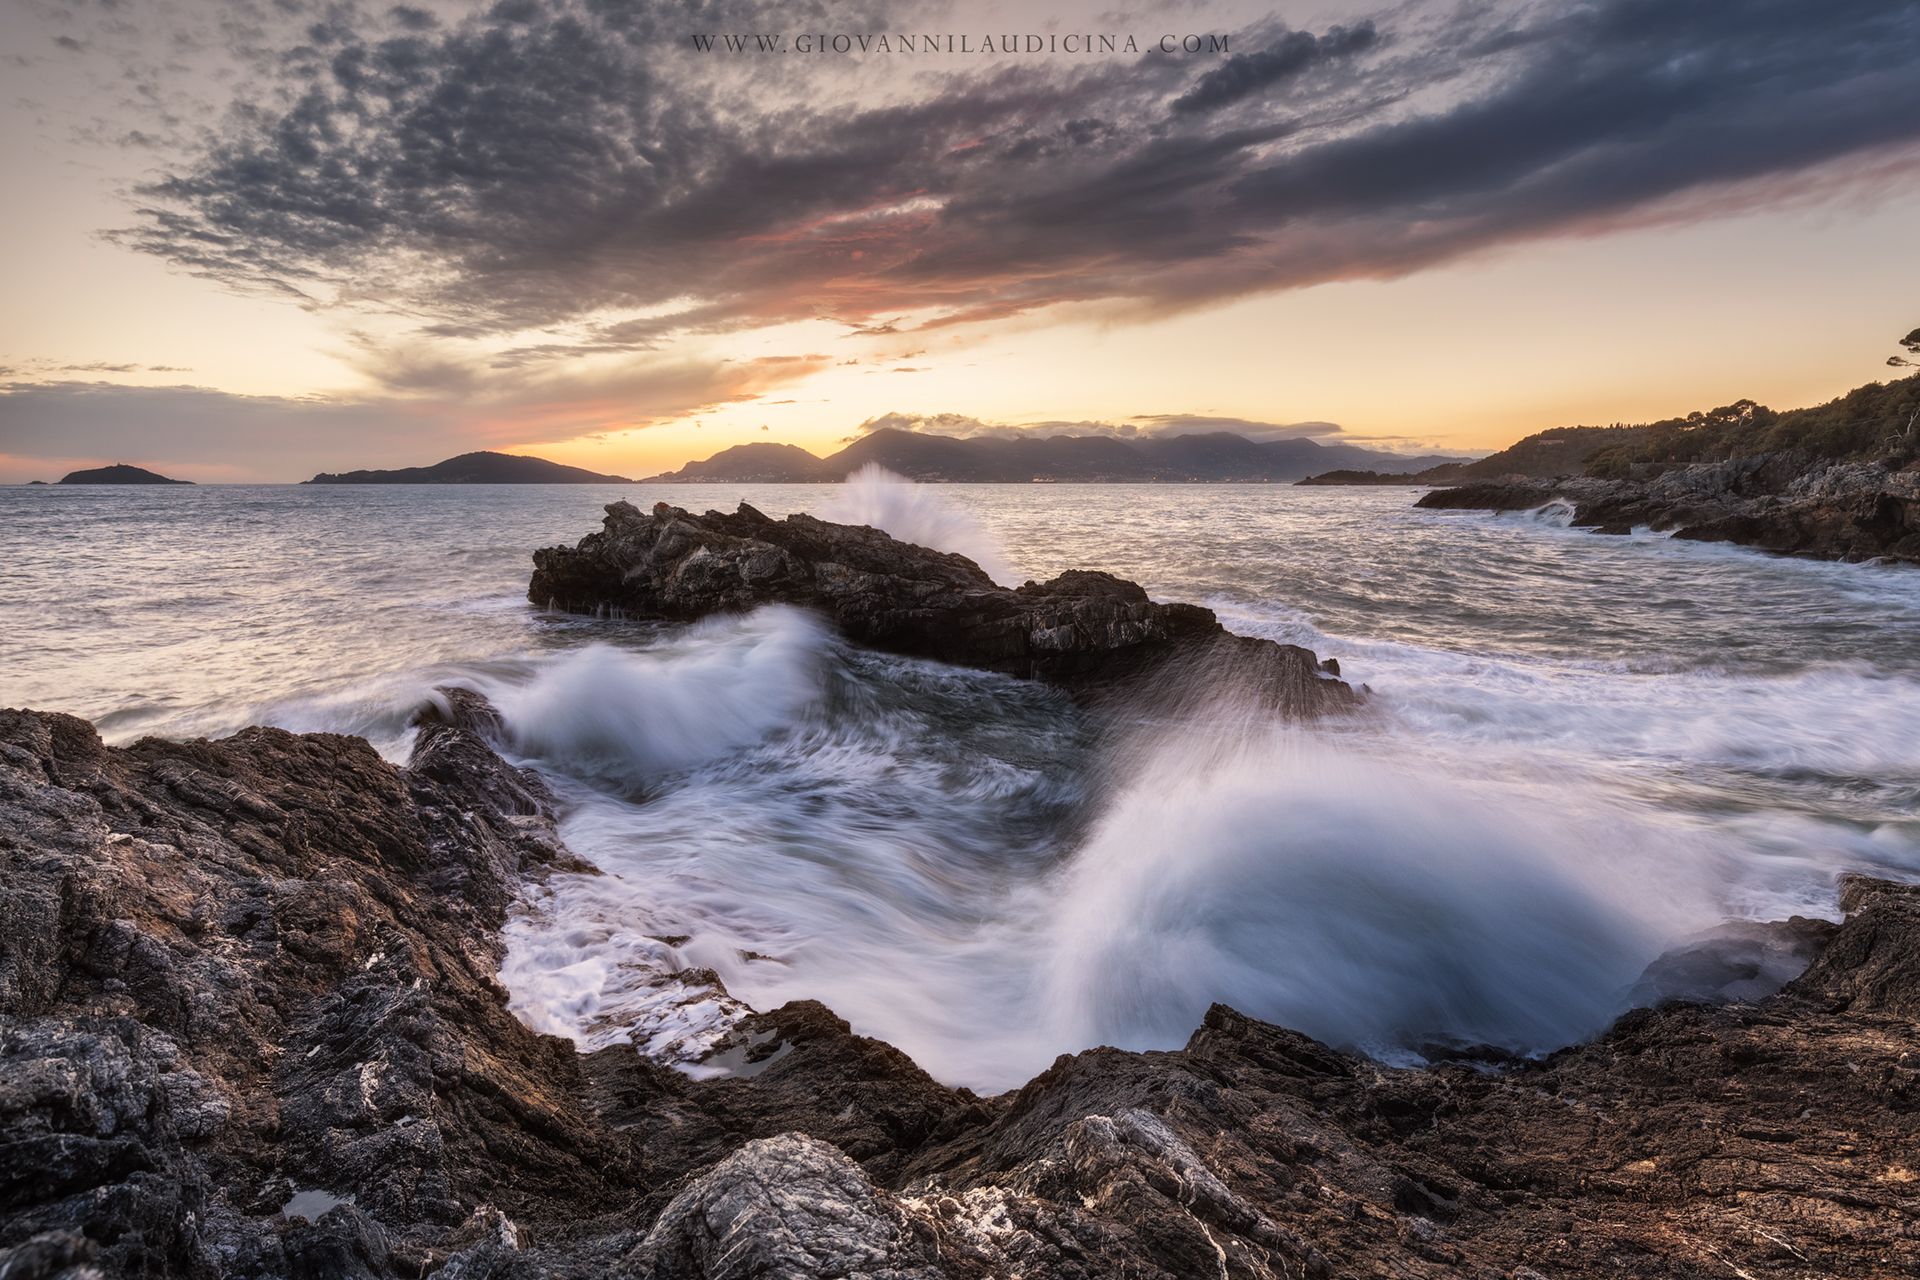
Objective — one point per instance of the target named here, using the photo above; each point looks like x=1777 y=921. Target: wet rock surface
x=249 y=1027
x=1776 y=502
x=1083 y=630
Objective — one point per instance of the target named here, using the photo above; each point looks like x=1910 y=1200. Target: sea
x=1577 y=751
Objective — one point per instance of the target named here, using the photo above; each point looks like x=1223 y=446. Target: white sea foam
x=1360 y=895
x=918 y=514
x=614 y=714
x=933 y=856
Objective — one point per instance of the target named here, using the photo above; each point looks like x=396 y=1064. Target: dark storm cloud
x=557 y=158
x=1626 y=102
x=1248 y=73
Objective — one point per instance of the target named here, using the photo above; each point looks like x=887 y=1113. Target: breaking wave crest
x=629 y=717
x=1356 y=896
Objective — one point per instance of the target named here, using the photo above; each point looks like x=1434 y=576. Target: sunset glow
x=1307 y=228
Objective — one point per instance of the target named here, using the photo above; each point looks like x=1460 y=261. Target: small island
x=482 y=467
x=119 y=473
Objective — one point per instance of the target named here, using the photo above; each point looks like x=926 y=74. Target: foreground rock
x=249 y=1028
x=1777 y=502
x=1082 y=630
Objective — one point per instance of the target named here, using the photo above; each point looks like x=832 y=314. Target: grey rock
x=1777 y=502
x=790 y=1207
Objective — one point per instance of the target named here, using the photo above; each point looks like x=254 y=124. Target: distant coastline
x=1209 y=458
x=482 y=467
x=1219 y=457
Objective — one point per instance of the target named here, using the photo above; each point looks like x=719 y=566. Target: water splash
x=1349 y=891
x=959 y=864
x=916 y=513
x=616 y=715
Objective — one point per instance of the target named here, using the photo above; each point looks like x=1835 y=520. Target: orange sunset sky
x=251 y=242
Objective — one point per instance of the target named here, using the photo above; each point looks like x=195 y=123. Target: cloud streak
x=559 y=162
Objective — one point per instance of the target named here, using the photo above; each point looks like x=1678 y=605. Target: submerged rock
x=249 y=1028
x=1083 y=630
x=1776 y=502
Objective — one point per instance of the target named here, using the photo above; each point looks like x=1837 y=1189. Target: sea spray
x=915 y=513
x=1325 y=884
x=970 y=868
x=862 y=852
x=627 y=717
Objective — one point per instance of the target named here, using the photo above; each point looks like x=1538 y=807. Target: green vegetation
x=1878 y=421
x=1874 y=421
x=1911 y=345
x=1559 y=452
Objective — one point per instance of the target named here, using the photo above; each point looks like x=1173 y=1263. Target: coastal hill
x=1837 y=481
x=753 y=464
x=1867 y=422
x=119 y=473
x=483 y=467
x=1210 y=457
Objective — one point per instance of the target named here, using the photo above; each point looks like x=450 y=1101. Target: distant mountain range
x=119 y=473
x=476 y=468
x=1212 y=457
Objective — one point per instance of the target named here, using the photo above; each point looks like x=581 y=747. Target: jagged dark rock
x=1082 y=630
x=1777 y=502
x=249 y=1028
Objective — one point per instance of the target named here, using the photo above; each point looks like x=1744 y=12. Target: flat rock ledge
x=1775 y=502
x=249 y=1027
x=1085 y=631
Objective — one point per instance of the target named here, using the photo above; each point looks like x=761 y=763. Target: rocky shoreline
x=1086 y=631
x=1777 y=502
x=249 y=1026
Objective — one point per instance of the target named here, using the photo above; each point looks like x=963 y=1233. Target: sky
x=251 y=240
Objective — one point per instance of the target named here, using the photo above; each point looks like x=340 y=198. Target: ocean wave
x=1362 y=898
x=628 y=717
